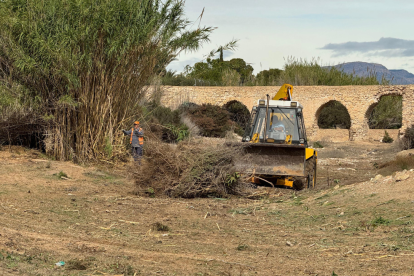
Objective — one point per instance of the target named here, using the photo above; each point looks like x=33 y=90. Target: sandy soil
x=348 y=162
x=93 y=222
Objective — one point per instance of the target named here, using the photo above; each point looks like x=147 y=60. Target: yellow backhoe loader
x=275 y=143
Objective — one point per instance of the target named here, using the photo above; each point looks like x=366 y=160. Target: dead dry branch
x=191 y=169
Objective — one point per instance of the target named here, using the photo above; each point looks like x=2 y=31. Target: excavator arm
x=285 y=93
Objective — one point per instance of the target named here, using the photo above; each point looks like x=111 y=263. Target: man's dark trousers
x=137 y=153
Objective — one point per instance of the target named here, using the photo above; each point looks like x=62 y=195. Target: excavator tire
x=299 y=184
x=311 y=172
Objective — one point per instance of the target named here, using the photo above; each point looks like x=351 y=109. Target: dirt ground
x=91 y=220
x=348 y=162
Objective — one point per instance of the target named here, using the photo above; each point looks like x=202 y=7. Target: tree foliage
x=214 y=70
x=269 y=77
x=296 y=72
x=240 y=66
x=210 y=70
x=334 y=115
x=88 y=61
x=387 y=114
x=218 y=71
x=172 y=78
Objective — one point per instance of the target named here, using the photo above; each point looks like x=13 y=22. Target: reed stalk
x=88 y=62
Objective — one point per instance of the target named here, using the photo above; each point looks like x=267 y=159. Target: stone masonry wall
x=359 y=100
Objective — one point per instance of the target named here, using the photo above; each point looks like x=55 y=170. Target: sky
x=333 y=31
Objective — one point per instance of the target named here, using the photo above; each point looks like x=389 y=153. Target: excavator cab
x=276 y=145
x=282 y=121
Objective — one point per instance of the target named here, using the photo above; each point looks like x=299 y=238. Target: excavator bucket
x=273 y=160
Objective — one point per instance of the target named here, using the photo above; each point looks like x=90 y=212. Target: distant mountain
x=364 y=69
x=403 y=76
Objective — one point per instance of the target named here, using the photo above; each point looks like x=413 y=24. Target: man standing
x=136 y=140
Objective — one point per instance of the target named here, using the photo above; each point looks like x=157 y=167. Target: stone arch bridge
x=359 y=101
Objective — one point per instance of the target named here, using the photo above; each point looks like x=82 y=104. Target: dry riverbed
x=89 y=218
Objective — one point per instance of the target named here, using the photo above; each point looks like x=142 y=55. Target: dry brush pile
x=191 y=169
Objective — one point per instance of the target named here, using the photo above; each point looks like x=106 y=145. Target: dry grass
x=398 y=164
x=331 y=153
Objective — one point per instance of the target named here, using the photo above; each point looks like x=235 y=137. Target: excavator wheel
x=299 y=184
x=311 y=172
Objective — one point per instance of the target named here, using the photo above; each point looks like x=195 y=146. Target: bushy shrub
x=185 y=106
x=177 y=80
x=207 y=120
x=230 y=78
x=303 y=72
x=387 y=138
x=268 y=77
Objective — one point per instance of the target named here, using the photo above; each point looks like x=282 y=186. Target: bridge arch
x=389 y=103
x=333 y=115
x=332 y=124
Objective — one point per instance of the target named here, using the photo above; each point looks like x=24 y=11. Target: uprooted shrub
x=189 y=170
x=212 y=120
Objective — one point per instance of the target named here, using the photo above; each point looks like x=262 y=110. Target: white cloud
x=386 y=47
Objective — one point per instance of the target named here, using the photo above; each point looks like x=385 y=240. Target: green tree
x=217 y=70
x=209 y=70
x=87 y=61
x=240 y=66
x=214 y=70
